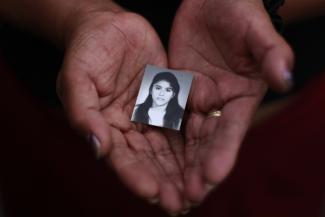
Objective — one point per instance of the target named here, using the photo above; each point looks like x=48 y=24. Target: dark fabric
x=1 y=204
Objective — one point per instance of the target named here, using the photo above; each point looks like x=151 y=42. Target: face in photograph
x=162 y=92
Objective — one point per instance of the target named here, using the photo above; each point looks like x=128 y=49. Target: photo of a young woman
x=161 y=107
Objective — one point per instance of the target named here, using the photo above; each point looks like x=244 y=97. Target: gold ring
x=214 y=114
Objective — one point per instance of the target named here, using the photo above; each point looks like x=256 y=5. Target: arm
x=295 y=10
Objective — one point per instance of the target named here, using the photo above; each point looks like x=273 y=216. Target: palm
x=99 y=84
x=212 y=39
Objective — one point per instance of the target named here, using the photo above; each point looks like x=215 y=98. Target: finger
x=198 y=177
x=138 y=168
x=165 y=156
x=172 y=187
x=223 y=143
x=272 y=53
x=193 y=175
x=134 y=164
x=170 y=199
x=79 y=97
x=176 y=143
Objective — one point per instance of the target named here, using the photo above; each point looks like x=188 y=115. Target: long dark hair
x=174 y=111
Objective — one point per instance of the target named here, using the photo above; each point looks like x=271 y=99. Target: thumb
x=79 y=97
x=272 y=53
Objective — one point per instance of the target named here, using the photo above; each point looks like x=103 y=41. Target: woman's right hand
x=106 y=53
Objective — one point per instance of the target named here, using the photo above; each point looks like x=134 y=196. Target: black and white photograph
x=162 y=97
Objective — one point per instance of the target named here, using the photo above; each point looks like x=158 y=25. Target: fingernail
x=173 y=214
x=287 y=76
x=97 y=146
x=154 y=201
x=185 y=212
x=196 y=204
x=210 y=187
x=187 y=205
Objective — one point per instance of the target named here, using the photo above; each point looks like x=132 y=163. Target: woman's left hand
x=232 y=49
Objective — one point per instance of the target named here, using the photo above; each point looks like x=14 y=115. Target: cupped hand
x=98 y=85
x=232 y=49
